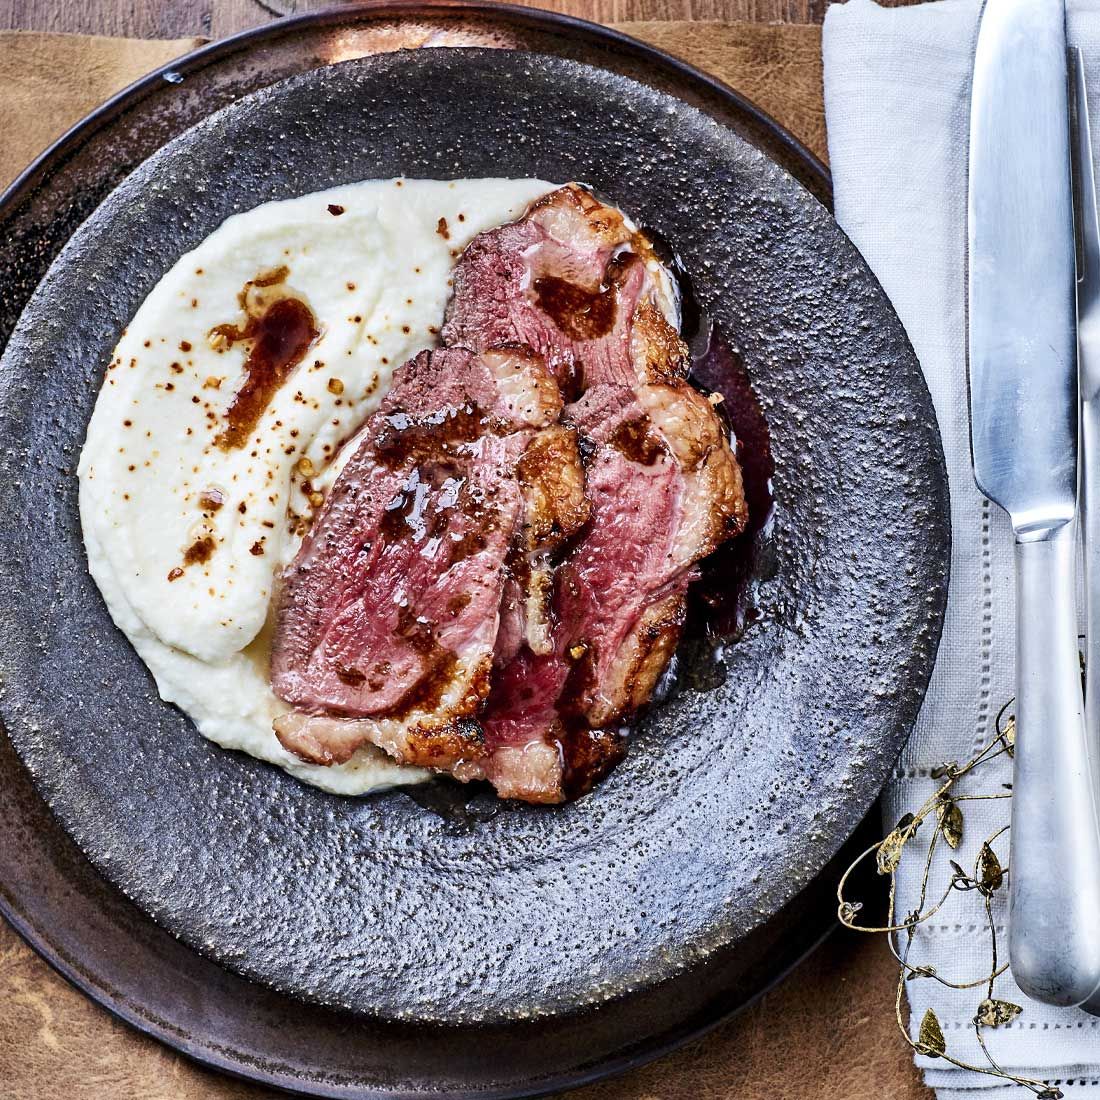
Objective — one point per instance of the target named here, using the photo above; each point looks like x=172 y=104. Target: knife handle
x=1054 y=942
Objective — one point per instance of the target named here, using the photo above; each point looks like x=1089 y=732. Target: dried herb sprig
x=988 y=877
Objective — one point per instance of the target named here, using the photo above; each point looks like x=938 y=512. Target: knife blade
x=1022 y=368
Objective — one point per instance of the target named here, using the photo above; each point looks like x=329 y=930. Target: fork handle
x=1090 y=524
x=1054 y=944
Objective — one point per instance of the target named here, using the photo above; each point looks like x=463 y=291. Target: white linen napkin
x=897 y=87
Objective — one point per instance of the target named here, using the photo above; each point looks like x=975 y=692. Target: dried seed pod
x=930 y=1040
x=950 y=820
x=993 y=1013
x=989 y=873
x=888 y=855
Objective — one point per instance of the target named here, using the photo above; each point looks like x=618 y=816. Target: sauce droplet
x=201 y=550
x=280 y=338
x=636 y=440
x=580 y=313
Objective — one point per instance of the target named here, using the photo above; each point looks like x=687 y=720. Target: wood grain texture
x=777 y=67
x=51 y=81
x=217 y=18
x=828 y=1029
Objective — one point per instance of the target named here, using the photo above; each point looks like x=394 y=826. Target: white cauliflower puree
x=185 y=536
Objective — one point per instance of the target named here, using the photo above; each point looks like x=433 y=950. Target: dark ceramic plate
x=644 y=895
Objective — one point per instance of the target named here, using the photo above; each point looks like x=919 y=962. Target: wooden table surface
x=217 y=18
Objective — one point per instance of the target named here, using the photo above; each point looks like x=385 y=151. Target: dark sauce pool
x=721 y=600
x=722 y=592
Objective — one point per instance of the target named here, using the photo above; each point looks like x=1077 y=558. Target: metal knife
x=1024 y=428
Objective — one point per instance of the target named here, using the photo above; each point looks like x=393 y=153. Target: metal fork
x=1088 y=360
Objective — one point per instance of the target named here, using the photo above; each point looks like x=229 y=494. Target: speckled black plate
x=592 y=917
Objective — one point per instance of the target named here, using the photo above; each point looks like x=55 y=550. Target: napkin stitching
x=982 y=735
x=921 y=771
x=959 y=927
